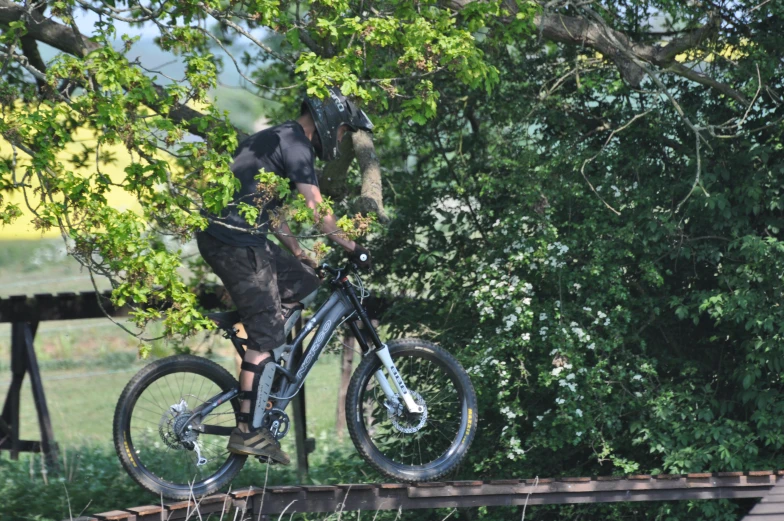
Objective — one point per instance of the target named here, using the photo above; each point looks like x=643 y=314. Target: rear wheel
x=149 y=437
x=413 y=447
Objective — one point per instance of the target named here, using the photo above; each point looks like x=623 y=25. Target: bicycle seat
x=225 y=320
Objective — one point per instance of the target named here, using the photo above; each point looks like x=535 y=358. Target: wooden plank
x=69 y=305
x=145 y=511
x=768 y=508
x=22 y=445
x=358 y=486
x=116 y=515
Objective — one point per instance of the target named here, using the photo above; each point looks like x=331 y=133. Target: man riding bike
x=256 y=272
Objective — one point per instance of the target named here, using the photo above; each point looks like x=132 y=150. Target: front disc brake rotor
x=407 y=422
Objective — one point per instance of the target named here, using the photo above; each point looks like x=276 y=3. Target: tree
x=596 y=184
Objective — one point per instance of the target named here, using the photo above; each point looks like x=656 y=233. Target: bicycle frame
x=341 y=306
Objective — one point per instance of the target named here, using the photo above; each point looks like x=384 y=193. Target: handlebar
x=349 y=268
x=337 y=272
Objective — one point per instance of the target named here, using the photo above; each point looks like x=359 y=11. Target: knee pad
x=263 y=376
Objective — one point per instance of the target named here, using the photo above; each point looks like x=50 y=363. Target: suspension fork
x=382 y=351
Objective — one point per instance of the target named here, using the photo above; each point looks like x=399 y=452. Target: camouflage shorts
x=258 y=279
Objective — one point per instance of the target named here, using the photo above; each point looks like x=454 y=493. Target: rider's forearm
x=328 y=225
x=287 y=239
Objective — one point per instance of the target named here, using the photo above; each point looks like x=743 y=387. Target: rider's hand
x=361 y=257
x=305 y=259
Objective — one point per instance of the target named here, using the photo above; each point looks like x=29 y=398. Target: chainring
x=283 y=423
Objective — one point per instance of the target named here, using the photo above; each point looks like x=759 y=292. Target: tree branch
x=370 y=199
x=64 y=38
x=617 y=46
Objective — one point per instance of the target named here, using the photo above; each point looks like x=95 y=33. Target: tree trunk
x=346 y=365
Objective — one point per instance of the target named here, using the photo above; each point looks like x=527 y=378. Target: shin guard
x=263 y=376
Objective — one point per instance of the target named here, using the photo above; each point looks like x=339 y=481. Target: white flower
x=570 y=376
x=579 y=433
x=542 y=316
x=560 y=401
x=592 y=346
x=557 y=371
x=526 y=336
x=579 y=413
x=527 y=301
x=601 y=314
x=577 y=286
x=558 y=303
x=637 y=377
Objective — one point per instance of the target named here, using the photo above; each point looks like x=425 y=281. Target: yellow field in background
x=23 y=228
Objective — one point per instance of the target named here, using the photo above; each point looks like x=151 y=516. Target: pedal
x=265 y=459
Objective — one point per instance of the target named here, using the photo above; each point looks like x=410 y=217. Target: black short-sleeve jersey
x=284 y=150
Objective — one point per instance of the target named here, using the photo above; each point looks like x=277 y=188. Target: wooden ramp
x=268 y=503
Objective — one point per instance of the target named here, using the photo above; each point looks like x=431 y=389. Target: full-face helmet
x=328 y=115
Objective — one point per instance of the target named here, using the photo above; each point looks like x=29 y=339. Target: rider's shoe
x=257 y=443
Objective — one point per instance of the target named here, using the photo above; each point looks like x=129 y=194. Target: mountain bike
x=410 y=407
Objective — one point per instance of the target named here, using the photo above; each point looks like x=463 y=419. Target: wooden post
x=23 y=360
x=346 y=365
x=298 y=411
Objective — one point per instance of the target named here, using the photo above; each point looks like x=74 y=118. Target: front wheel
x=413 y=447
